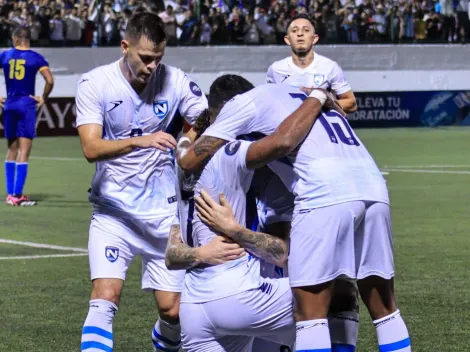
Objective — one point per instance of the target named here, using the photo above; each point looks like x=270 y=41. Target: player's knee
x=107 y=291
x=170 y=314
x=345 y=297
x=169 y=307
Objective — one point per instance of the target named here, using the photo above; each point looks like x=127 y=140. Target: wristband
x=182 y=140
x=319 y=95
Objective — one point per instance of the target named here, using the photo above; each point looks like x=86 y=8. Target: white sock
x=313 y=335
x=97 y=333
x=166 y=336
x=344 y=328
x=392 y=333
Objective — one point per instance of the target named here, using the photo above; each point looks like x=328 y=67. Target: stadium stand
x=59 y=23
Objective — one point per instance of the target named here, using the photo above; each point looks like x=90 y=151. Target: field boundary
x=43 y=245
x=44 y=256
x=81 y=251
x=424 y=171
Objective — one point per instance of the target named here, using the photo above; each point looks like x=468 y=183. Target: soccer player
x=305 y=68
x=20 y=66
x=125 y=113
x=341 y=224
x=261 y=307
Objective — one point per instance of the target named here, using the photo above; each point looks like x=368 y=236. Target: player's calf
x=343 y=316
x=166 y=334
x=97 y=333
x=311 y=309
x=379 y=297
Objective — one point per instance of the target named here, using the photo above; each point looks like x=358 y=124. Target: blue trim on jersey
x=394 y=346
x=189 y=224
x=97 y=331
x=165 y=339
x=342 y=347
x=96 y=345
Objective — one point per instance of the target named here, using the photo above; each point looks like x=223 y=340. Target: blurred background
x=220 y=22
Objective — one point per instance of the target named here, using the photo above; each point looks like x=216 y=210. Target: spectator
x=206 y=31
x=73 y=28
x=57 y=28
x=168 y=17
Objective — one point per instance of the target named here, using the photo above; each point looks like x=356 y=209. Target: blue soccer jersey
x=20 y=68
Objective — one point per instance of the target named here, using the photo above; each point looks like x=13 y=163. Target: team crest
x=232 y=148
x=160 y=108
x=318 y=80
x=111 y=253
x=195 y=89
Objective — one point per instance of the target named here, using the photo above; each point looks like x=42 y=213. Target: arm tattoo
x=178 y=254
x=204 y=145
x=267 y=247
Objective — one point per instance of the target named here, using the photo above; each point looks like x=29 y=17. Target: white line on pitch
x=56 y=158
x=45 y=256
x=385 y=173
x=431 y=166
x=430 y=171
x=43 y=245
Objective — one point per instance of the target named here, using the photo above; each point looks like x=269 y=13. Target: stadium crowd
x=190 y=22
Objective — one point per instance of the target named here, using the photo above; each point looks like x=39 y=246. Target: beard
x=302 y=53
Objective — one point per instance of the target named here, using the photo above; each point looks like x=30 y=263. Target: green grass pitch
x=44 y=301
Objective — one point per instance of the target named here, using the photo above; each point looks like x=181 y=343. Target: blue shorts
x=20 y=118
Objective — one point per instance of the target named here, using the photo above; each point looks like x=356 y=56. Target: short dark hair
x=226 y=87
x=302 y=16
x=146 y=24
x=22 y=33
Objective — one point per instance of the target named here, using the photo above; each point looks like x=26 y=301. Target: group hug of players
x=282 y=216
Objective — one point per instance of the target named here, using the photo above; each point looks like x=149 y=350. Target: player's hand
x=39 y=101
x=160 y=140
x=332 y=103
x=218 y=217
x=2 y=102
x=220 y=250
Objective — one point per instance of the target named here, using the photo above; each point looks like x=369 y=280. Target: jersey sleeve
x=88 y=103
x=193 y=101
x=338 y=81
x=234 y=163
x=270 y=75
x=233 y=119
x=41 y=62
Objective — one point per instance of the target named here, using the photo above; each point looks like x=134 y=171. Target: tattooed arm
x=272 y=248
x=181 y=256
x=192 y=157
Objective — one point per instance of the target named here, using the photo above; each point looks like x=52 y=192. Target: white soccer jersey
x=332 y=165
x=226 y=172
x=321 y=73
x=140 y=184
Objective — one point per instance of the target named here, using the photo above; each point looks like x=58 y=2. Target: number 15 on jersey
x=331 y=127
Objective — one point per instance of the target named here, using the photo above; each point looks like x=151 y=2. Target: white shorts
x=230 y=324
x=353 y=239
x=114 y=242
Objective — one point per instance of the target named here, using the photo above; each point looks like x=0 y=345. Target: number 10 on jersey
x=349 y=139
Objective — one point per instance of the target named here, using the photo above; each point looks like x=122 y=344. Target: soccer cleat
x=21 y=201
